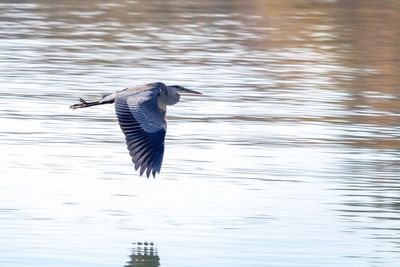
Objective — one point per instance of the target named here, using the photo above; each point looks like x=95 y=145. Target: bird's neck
x=163 y=107
x=167 y=99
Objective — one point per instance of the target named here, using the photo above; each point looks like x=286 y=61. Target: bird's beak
x=188 y=91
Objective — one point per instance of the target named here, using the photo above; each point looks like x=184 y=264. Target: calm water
x=292 y=157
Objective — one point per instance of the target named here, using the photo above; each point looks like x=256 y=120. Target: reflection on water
x=291 y=158
x=144 y=255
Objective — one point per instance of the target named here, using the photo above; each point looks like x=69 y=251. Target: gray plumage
x=141 y=114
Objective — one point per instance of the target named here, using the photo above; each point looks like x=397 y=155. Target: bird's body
x=141 y=114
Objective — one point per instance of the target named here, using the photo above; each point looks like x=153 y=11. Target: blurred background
x=291 y=157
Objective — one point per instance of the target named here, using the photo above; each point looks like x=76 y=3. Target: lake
x=290 y=158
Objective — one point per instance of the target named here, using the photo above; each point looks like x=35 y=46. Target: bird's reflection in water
x=144 y=254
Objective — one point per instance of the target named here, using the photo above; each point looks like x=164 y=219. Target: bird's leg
x=107 y=99
x=84 y=104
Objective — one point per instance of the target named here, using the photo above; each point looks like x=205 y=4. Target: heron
x=141 y=114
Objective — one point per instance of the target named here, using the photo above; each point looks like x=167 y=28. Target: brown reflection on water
x=368 y=31
x=359 y=36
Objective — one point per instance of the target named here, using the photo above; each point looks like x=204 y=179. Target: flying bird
x=141 y=114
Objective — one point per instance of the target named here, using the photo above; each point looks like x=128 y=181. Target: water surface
x=290 y=159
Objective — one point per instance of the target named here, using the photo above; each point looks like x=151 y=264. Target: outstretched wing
x=144 y=126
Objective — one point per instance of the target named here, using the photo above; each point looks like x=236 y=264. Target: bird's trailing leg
x=84 y=104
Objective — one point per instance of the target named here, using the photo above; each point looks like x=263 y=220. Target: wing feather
x=144 y=126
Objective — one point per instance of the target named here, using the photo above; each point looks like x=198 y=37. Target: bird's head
x=177 y=89
x=174 y=92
